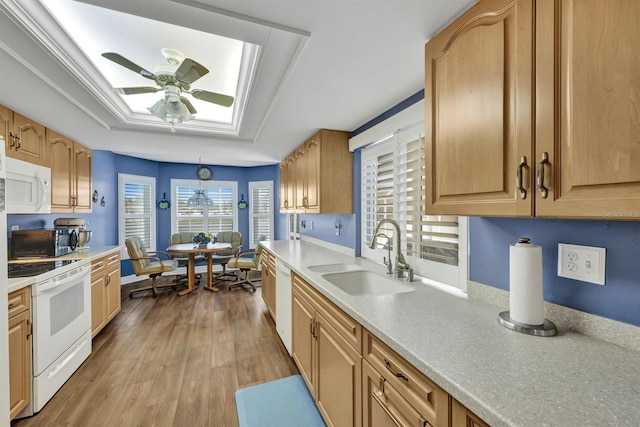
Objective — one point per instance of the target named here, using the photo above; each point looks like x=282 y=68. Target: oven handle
x=63 y=279
x=62 y=364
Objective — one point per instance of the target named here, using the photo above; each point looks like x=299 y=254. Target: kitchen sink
x=334 y=268
x=366 y=283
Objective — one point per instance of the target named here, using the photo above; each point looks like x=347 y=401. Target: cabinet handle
x=393 y=371
x=312 y=328
x=30 y=331
x=17 y=142
x=12 y=139
x=11 y=306
x=523 y=191
x=545 y=161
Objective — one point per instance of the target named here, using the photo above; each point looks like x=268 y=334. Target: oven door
x=61 y=315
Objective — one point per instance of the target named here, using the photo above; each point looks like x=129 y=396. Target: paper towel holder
x=547 y=329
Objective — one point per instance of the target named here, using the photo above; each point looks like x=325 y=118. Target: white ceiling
x=319 y=64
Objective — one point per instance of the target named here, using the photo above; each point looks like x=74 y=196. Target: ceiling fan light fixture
x=159 y=110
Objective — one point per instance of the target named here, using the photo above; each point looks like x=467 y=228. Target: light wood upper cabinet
x=287 y=185
x=590 y=126
x=478 y=110
x=566 y=112
x=70 y=174
x=318 y=176
x=19 y=350
x=24 y=138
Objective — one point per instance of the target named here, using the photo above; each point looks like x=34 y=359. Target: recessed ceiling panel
x=96 y=30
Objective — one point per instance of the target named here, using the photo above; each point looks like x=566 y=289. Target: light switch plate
x=585 y=263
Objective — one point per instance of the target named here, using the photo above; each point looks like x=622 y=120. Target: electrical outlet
x=584 y=263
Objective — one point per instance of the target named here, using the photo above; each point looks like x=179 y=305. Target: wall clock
x=204 y=173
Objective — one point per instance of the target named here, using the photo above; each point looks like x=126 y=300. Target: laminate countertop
x=81 y=256
x=506 y=378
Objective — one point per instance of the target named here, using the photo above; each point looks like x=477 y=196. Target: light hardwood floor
x=171 y=361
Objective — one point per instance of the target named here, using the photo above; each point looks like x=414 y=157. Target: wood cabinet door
x=300 y=176
x=291 y=184
x=6 y=127
x=339 y=377
x=62 y=171
x=98 y=303
x=478 y=111
x=19 y=362
x=587 y=96
x=113 y=302
x=31 y=146
x=82 y=179
x=312 y=181
x=382 y=405
x=302 y=340
x=462 y=417
x=284 y=182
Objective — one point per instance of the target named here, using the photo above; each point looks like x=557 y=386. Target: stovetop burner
x=35 y=268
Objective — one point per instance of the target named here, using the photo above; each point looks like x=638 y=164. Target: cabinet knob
x=11 y=306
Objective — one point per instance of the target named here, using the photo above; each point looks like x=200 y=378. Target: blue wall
x=620 y=297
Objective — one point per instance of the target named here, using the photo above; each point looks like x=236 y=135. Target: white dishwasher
x=283 y=303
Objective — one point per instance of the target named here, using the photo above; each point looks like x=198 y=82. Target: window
x=393 y=187
x=293 y=226
x=136 y=210
x=222 y=216
x=260 y=211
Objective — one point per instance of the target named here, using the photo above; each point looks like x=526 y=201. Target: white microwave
x=28 y=187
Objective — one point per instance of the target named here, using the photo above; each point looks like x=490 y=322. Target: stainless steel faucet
x=400 y=265
x=387 y=260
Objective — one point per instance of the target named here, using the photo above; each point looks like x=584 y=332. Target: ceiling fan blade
x=216 y=98
x=121 y=60
x=189 y=105
x=136 y=90
x=190 y=71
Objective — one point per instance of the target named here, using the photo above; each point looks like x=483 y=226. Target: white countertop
x=506 y=378
x=82 y=256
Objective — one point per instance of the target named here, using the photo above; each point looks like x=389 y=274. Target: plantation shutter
x=393 y=187
x=188 y=219
x=261 y=211
x=220 y=215
x=136 y=209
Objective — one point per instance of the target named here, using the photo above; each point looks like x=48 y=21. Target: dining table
x=192 y=249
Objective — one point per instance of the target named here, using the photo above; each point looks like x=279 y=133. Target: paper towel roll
x=526 y=303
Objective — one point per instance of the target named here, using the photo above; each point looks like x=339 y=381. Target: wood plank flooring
x=171 y=361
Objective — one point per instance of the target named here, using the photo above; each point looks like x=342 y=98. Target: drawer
x=348 y=328
x=420 y=392
x=97 y=267
x=113 y=259
x=19 y=301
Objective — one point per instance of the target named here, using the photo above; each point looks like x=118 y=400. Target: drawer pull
x=11 y=306
x=519 y=183
x=393 y=371
x=378 y=397
x=540 y=178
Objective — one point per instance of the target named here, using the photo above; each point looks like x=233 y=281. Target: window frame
x=269 y=186
x=175 y=183
x=384 y=138
x=123 y=179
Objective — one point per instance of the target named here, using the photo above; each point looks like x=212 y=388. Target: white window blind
x=393 y=187
x=221 y=216
x=261 y=211
x=136 y=209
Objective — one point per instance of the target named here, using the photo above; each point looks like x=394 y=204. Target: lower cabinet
x=269 y=282
x=462 y=417
x=19 y=350
x=356 y=379
x=105 y=291
x=326 y=347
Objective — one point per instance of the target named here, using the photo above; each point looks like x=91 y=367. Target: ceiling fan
x=174 y=78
